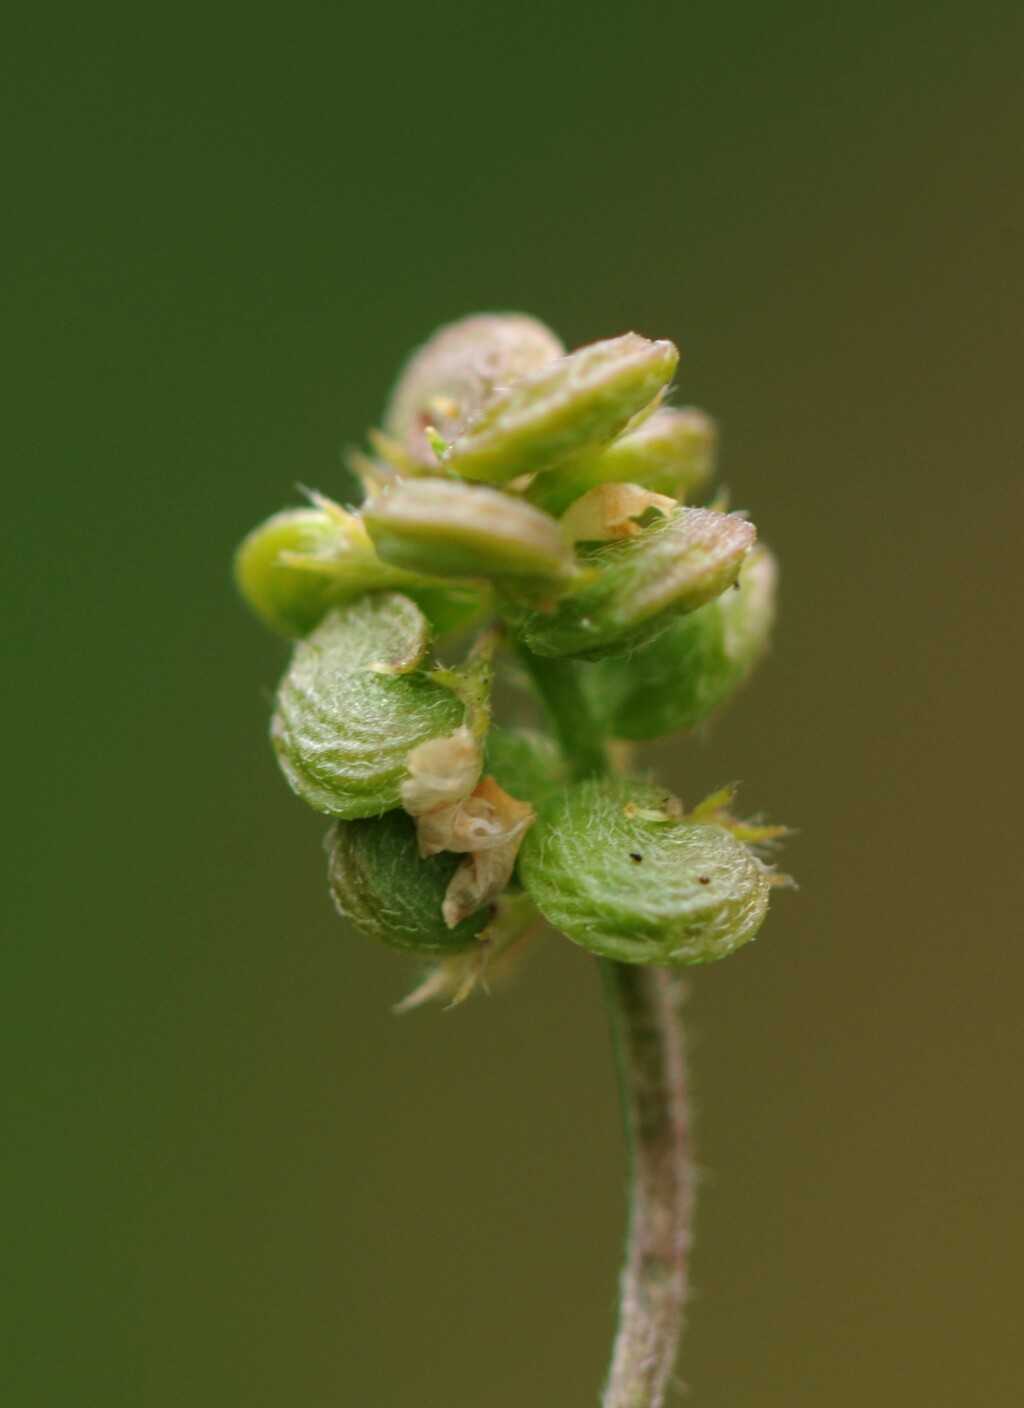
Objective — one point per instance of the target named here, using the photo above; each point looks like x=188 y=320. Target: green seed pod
x=298 y=564
x=681 y=677
x=450 y=377
x=379 y=880
x=580 y=401
x=672 y=453
x=352 y=707
x=526 y=763
x=289 y=598
x=301 y=561
x=635 y=586
x=616 y=868
x=447 y=528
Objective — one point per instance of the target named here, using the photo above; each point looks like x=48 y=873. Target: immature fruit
x=672 y=452
x=449 y=378
x=379 y=880
x=446 y=528
x=294 y=567
x=353 y=706
x=617 y=868
x=290 y=598
x=580 y=401
x=635 y=585
x=681 y=677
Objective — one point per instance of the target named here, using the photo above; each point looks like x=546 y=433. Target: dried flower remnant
x=611 y=511
x=455 y=810
x=497 y=823
x=441 y=773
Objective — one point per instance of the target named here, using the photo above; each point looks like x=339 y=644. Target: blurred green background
x=234 y=1179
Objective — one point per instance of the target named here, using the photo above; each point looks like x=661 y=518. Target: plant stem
x=647 y=1036
x=644 y=1007
x=558 y=688
x=650 y=1055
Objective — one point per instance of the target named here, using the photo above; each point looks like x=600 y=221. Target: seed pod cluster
x=543 y=500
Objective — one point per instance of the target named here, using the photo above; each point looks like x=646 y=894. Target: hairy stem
x=558 y=688
x=647 y=1039
x=644 y=1006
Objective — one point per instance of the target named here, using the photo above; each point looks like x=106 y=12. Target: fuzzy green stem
x=644 y=1007
x=558 y=688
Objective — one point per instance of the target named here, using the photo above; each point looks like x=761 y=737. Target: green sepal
x=447 y=528
x=379 y=880
x=353 y=705
x=583 y=400
x=618 y=869
x=449 y=378
x=672 y=452
x=680 y=678
x=635 y=586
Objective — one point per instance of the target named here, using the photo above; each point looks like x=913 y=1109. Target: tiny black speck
x=704 y=879
x=635 y=855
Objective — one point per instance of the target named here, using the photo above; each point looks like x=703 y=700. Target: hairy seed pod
x=672 y=452
x=638 y=584
x=298 y=564
x=583 y=400
x=681 y=677
x=379 y=880
x=353 y=706
x=450 y=377
x=616 y=868
x=447 y=528
x=289 y=598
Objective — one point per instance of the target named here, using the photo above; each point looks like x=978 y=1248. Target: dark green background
x=236 y=1181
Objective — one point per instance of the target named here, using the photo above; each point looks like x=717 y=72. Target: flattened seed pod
x=612 y=867
x=451 y=376
x=673 y=566
x=673 y=452
x=298 y=564
x=290 y=599
x=447 y=528
x=585 y=399
x=379 y=880
x=352 y=707
x=681 y=677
